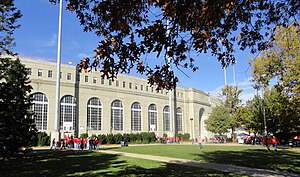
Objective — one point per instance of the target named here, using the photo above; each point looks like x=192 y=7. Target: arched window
x=136 y=117
x=40 y=108
x=179 y=119
x=94 y=114
x=117 y=115
x=166 y=118
x=152 y=113
x=68 y=113
x=201 y=112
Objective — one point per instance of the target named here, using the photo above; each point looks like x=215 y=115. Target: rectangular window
x=142 y=87
x=130 y=85
x=151 y=89
x=60 y=75
x=95 y=80
x=40 y=72
x=162 y=92
x=29 y=71
x=136 y=86
x=109 y=82
x=69 y=76
x=86 y=79
x=124 y=84
x=147 y=88
x=102 y=81
x=117 y=83
x=181 y=95
x=49 y=73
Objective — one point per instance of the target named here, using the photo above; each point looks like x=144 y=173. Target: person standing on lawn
x=275 y=142
x=53 y=144
x=267 y=142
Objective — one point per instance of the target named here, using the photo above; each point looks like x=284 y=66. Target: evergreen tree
x=8 y=16
x=17 y=125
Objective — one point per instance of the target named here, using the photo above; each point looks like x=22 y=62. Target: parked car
x=294 y=141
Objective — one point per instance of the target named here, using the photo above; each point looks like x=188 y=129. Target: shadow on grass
x=284 y=161
x=91 y=164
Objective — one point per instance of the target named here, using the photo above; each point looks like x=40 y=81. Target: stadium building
x=90 y=104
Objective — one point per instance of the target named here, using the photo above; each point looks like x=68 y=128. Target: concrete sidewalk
x=215 y=166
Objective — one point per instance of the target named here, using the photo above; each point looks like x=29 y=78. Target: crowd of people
x=90 y=143
x=93 y=143
x=169 y=140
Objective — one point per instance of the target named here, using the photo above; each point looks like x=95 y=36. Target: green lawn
x=84 y=163
x=286 y=160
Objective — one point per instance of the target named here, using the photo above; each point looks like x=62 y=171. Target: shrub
x=110 y=139
x=186 y=136
x=43 y=139
x=84 y=135
x=118 y=138
x=103 y=139
x=127 y=137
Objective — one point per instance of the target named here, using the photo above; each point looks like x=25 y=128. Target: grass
x=286 y=160
x=91 y=164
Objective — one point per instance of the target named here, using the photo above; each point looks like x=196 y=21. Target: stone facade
x=195 y=105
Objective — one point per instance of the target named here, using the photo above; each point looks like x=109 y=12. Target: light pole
x=264 y=109
x=191 y=119
x=263 y=100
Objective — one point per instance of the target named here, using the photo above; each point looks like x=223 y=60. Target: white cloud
x=51 y=42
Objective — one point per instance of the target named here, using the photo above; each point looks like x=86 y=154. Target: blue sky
x=37 y=38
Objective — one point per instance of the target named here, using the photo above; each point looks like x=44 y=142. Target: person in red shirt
x=53 y=144
x=274 y=143
x=267 y=142
x=96 y=143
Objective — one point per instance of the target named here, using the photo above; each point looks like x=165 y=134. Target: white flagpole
x=224 y=68
x=233 y=70
x=57 y=98
x=170 y=91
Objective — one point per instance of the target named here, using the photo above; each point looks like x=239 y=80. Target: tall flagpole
x=224 y=68
x=170 y=91
x=57 y=98
x=233 y=70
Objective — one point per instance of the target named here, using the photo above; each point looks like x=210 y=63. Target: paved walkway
x=215 y=166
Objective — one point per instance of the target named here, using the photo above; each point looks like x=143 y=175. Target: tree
x=230 y=96
x=17 y=126
x=254 y=121
x=219 y=121
x=130 y=30
x=16 y=123
x=8 y=17
x=280 y=115
x=281 y=63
